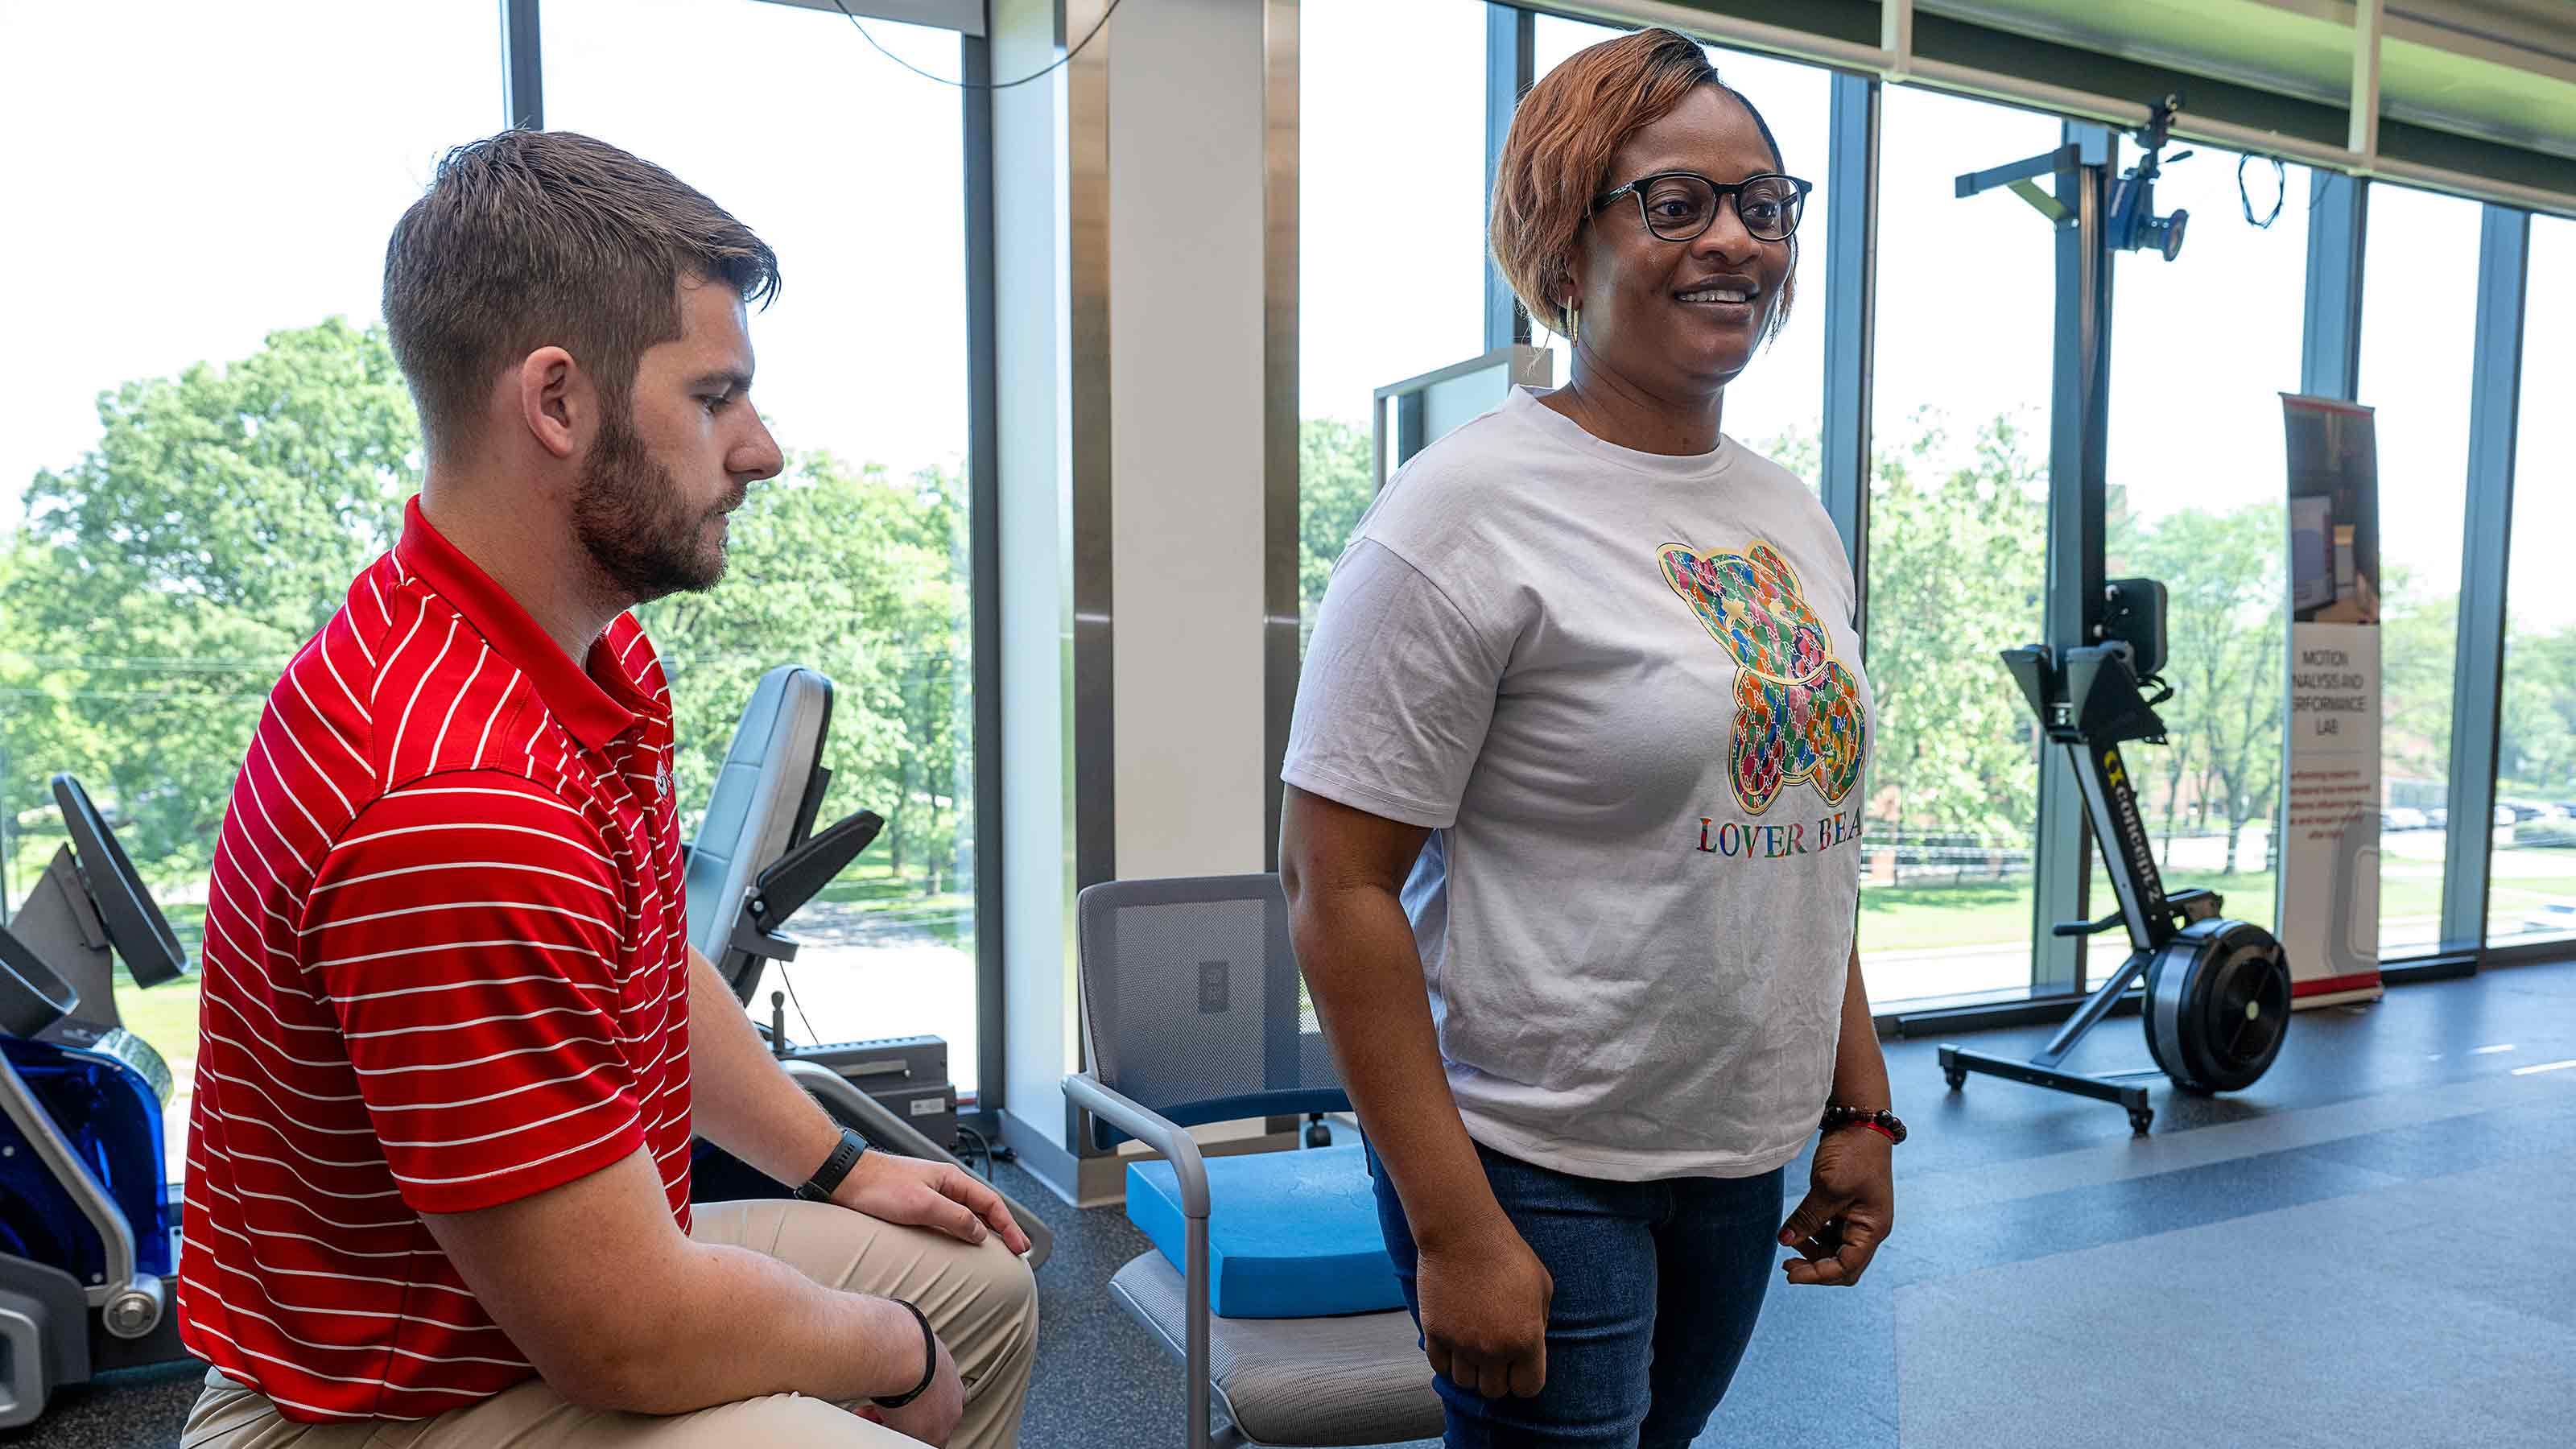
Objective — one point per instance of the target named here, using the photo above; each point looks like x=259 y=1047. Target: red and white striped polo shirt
x=445 y=967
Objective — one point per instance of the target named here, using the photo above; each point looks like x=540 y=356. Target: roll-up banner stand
x=2329 y=851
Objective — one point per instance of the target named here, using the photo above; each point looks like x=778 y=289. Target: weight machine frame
x=2104 y=637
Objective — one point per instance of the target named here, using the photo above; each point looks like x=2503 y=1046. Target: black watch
x=1882 y=1119
x=827 y=1178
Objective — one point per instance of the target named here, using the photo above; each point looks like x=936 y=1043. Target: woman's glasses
x=1679 y=205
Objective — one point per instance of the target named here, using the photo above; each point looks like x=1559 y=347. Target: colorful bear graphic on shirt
x=1798 y=711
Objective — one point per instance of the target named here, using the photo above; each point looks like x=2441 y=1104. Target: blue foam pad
x=1290 y=1234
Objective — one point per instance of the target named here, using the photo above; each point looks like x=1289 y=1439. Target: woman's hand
x=1484 y=1311
x=1849 y=1208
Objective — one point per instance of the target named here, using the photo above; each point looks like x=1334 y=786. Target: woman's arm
x=1484 y=1294
x=1860 y=1068
x=1851 y=1202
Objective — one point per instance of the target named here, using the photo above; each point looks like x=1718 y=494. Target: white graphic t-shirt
x=1623 y=691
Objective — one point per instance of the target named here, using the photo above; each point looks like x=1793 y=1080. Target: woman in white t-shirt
x=1580 y=748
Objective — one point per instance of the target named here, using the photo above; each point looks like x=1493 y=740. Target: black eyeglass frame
x=1725 y=191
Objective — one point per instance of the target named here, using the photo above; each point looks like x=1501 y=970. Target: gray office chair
x=1190 y=1012
x=755 y=861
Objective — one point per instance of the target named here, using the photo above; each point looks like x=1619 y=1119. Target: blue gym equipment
x=89 y=1227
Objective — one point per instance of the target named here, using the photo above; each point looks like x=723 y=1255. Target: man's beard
x=628 y=513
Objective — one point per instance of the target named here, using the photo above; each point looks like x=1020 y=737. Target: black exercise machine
x=2217 y=991
x=2217 y=1001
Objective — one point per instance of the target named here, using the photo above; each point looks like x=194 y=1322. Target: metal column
x=1510 y=59
x=984 y=584
x=2078 y=415
x=1851 y=291
x=2330 y=345
x=523 y=92
x=2495 y=387
x=1281 y=420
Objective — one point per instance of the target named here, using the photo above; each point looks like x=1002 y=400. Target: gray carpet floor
x=2358 y=1251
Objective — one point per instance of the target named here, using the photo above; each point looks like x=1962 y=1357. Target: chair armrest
x=1151 y=1128
x=1182 y=1150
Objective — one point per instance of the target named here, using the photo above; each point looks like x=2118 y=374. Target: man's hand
x=1849 y=1208
x=928 y=1194
x=1484 y=1313
x=932 y=1417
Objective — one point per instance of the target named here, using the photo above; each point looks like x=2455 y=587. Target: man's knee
x=1018 y=1285
x=993 y=1328
x=1010 y=1289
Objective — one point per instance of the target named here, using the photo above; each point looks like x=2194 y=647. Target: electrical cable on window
x=2280 y=191
x=1059 y=64
x=784 y=980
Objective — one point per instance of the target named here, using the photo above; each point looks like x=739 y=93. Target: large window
x=1391 y=234
x=2419 y=319
x=191 y=476
x=855 y=562
x=1958 y=528
x=1777 y=407
x=2197 y=474
x=2531 y=888
x=206 y=437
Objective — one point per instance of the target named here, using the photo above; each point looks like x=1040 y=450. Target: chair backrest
x=761 y=807
x=1191 y=1001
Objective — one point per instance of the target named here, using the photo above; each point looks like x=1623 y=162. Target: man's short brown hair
x=532 y=239
x=1565 y=134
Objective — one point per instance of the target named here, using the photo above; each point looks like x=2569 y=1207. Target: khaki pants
x=980 y=1300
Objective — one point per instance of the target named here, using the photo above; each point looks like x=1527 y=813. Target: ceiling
x=2500 y=70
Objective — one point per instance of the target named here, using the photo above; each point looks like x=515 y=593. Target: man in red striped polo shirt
x=455 y=1041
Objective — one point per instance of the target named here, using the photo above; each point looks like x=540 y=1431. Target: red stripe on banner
x=2359 y=981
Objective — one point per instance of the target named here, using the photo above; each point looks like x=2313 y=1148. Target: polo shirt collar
x=597 y=704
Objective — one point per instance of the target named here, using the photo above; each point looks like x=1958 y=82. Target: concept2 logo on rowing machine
x=1798 y=712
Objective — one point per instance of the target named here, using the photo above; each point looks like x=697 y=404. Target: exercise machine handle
x=795 y=878
x=2087 y=928
x=32 y=996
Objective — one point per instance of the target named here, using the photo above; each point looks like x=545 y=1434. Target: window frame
x=523 y=104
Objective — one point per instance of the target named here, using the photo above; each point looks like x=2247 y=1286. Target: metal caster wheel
x=2139 y=1121
x=1958 y=1077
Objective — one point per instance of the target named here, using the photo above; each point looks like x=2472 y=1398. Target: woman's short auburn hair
x=1557 y=157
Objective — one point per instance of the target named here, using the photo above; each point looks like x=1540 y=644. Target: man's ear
x=557 y=404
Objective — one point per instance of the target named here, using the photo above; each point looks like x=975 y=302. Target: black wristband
x=827 y=1178
x=929 y=1361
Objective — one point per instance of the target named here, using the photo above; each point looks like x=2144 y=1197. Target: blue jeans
x=1657 y=1288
